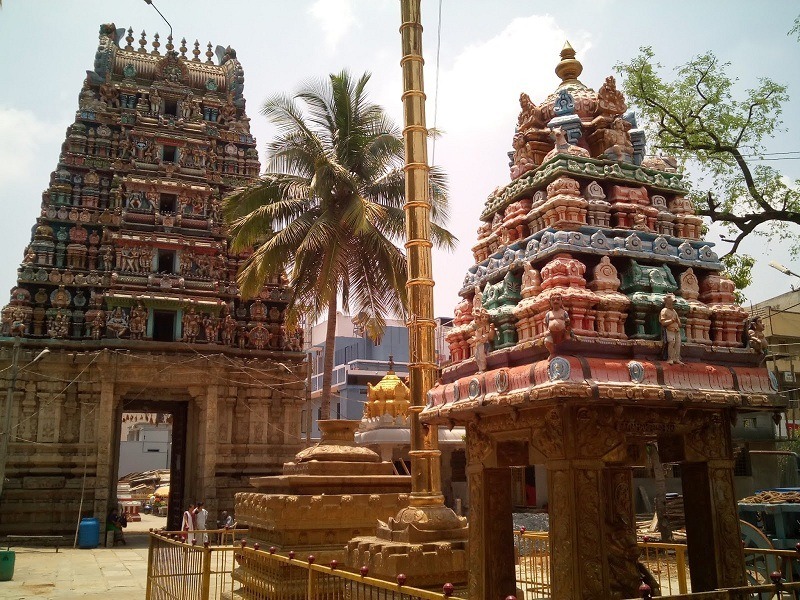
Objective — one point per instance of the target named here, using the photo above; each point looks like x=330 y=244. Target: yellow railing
x=667 y=564
x=178 y=570
x=263 y=575
x=533 y=564
x=784 y=591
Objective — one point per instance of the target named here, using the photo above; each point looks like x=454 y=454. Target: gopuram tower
x=596 y=320
x=129 y=283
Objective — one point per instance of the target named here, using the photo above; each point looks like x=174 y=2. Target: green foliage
x=330 y=207
x=700 y=116
x=739 y=269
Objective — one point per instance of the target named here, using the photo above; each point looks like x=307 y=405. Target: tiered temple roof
x=130 y=242
x=587 y=219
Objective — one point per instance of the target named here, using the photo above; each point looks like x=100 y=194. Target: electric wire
x=436 y=82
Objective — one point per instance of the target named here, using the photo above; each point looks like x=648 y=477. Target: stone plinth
x=331 y=492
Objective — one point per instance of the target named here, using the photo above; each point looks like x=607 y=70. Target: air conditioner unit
x=788 y=376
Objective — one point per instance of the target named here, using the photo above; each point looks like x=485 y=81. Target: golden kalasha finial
x=569 y=68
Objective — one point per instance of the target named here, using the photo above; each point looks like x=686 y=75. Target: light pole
x=9 y=400
x=150 y=2
x=785 y=270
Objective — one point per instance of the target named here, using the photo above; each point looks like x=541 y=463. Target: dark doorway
x=160 y=413
x=171 y=107
x=166 y=261
x=164 y=325
x=167 y=203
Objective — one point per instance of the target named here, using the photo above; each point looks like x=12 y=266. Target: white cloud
x=24 y=137
x=478 y=109
x=335 y=17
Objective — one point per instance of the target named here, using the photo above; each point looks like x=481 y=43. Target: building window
x=167 y=203
x=164 y=326
x=741 y=464
x=170 y=154
x=303 y=421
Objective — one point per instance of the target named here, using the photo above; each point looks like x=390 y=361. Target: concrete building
x=358 y=361
x=147 y=447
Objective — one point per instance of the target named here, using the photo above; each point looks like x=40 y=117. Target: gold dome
x=569 y=68
x=389 y=396
x=585 y=98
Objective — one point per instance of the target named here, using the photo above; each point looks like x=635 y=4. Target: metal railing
x=775 y=591
x=533 y=563
x=264 y=575
x=178 y=570
x=667 y=564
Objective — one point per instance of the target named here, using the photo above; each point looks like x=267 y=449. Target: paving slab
x=44 y=574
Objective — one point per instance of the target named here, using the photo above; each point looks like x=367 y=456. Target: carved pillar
x=592 y=537
x=491 y=536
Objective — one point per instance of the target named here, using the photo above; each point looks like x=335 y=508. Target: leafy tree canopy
x=700 y=115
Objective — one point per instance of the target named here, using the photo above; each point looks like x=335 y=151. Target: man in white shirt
x=200 y=517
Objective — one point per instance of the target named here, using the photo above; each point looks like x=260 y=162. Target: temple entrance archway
x=175 y=412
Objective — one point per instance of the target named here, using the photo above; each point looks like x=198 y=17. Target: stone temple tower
x=129 y=282
x=595 y=321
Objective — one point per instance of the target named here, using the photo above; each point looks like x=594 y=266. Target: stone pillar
x=208 y=458
x=712 y=522
x=104 y=418
x=592 y=537
x=491 y=535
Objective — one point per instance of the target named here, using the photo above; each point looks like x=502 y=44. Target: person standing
x=200 y=519
x=187 y=526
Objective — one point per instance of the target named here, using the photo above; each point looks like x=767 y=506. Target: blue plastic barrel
x=6 y=564
x=89 y=533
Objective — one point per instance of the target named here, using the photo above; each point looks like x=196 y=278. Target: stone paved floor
x=41 y=573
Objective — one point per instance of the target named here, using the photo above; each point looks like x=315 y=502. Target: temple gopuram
x=129 y=283
x=596 y=320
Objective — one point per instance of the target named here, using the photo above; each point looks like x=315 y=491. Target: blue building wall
x=348 y=401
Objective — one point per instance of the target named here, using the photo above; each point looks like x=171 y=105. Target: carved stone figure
x=530 y=116
x=191 y=326
x=109 y=94
x=229 y=330
x=117 y=322
x=482 y=338
x=557 y=324
x=755 y=335
x=17 y=322
x=138 y=321
x=210 y=327
x=155 y=103
x=98 y=324
x=671 y=330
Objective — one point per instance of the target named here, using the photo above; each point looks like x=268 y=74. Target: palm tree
x=329 y=209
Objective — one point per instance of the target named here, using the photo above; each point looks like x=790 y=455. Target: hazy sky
x=490 y=51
